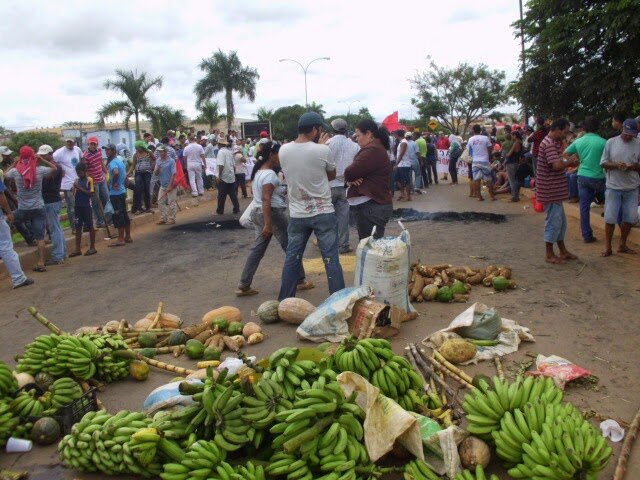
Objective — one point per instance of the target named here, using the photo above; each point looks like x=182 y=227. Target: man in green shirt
x=421 y=143
x=591 y=177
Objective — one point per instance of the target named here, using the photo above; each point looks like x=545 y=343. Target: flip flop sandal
x=75 y=254
x=117 y=245
x=128 y=241
x=91 y=251
x=38 y=268
x=246 y=293
x=305 y=286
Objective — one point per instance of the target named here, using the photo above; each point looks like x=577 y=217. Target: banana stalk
x=39 y=317
x=452 y=367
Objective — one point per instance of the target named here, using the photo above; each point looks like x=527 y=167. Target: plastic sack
x=383 y=265
x=167 y=396
x=233 y=364
x=486 y=323
x=441 y=446
x=108 y=208
x=386 y=422
x=329 y=321
x=245 y=218
x=559 y=369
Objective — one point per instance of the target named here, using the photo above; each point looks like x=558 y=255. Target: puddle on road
x=412 y=215
x=210 y=226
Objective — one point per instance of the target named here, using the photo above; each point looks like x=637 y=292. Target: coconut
x=473 y=452
x=457 y=350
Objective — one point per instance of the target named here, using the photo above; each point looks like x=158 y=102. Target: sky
x=55 y=56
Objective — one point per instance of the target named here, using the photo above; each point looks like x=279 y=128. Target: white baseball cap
x=5 y=150
x=45 y=149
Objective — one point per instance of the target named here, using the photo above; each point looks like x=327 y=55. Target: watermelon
x=268 y=311
x=147 y=339
x=45 y=431
x=177 y=338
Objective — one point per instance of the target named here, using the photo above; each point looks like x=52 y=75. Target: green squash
x=147 y=339
x=194 y=349
x=444 y=294
x=45 y=431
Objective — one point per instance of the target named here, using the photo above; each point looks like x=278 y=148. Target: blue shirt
x=117 y=164
x=81 y=198
x=167 y=169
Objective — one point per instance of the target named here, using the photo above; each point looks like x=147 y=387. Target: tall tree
x=163 y=118
x=581 y=57
x=264 y=114
x=225 y=73
x=353 y=119
x=210 y=114
x=284 y=121
x=458 y=96
x=135 y=88
x=316 y=107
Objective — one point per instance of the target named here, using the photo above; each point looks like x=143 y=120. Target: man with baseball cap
x=621 y=163
x=343 y=151
x=68 y=157
x=307 y=166
x=52 y=207
x=96 y=170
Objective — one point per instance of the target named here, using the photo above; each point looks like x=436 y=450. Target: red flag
x=180 y=179
x=391 y=122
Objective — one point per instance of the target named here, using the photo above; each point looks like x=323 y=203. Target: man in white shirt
x=226 y=177
x=343 y=151
x=68 y=157
x=480 y=148
x=308 y=168
x=194 y=155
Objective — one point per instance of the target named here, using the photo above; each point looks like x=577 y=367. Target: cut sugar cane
x=632 y=433
x=452 y=367
x=499 y=368
x=39 y=317
x=130 y=354
x=157 y=317
x=440 y=367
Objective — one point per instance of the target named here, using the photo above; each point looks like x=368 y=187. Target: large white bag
x=383 y=266
x=245 y=218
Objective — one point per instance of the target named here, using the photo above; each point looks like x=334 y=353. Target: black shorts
x=120 y=216
x=84 y=218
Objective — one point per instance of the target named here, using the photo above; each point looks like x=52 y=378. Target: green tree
x=210 y=114
x=284 y=121
x=225 y=73
x=34 y=139
x=6 y=132
x=353 y=119
x=496 y=115
x=135 y=88
x=316 y=107
x=581 y=57
x=458 y=96
x=163 y=118
x=264 y=114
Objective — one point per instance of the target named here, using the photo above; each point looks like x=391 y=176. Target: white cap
x=5 y=150
x=45 y=149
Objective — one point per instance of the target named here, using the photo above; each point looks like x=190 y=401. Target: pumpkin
x=230 y=314
x=268 y=311
x=139 y=370
x=45 y=431
x=294 y=310
x=143 y=324
x=167 y=320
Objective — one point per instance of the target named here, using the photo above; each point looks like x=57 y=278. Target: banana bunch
x=202 y=460
x=143 y=445
x=486 y=405
x=250 y=472
x=231 y=430
x=8 y=384
x=28 y=404
x=8 y=422
x=418 y=470
x=78 y=449
x=39 y=356
x=22 y=431
x=567 y=447
x=109 y=368
x=290 y=373
x=176 y=425
x=479 y=475
x=64 y=391
x=77 y=354
x=260 y=409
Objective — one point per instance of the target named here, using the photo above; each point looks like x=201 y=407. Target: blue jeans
x=587 y=189
x=101 y=194
x=555 y=225
x=572 y=180
x=9 y=255
x=415 y=166
x=621 y=206
x=341 y=206
x=59 y=246
x=325 y=227
x=70 y=203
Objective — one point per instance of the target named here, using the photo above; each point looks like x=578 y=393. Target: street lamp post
x=349 y=107
x=304 y=70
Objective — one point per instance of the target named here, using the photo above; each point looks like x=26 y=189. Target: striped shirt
x=143 y=163
x=94 y=165
x=551 y=185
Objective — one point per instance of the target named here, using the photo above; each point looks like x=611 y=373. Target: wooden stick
x=632 y=433
x=438 y=356
x=156 y=319
x=39 y=317
x=442 y=392
x=499 y=368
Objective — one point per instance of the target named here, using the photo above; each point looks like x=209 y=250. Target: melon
x=45 y=431
x=235 y=328
x=194 y=349
x=148 y=339
x=268 y=311
x=139 y=370
x=44 y=380
x=500 y=283
x=177 y=338
x=457 y=350
x=295 y=310
x=444 y=294
x=230 y=314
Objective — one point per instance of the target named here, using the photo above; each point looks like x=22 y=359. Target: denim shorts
x=555 y=225
x=37 y=218
x=625 y=200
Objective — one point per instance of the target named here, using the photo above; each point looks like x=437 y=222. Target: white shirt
x=343 y=151
x=479 y=145
x=68 y=159
x=406 y=157
x=305 y=166
x=225 y=160
x=193 y=153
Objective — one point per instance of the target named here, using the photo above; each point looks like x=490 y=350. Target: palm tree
x=225 y=73
x=316 y=107
x=264 y=114
x=134 y=87
x=210 y=114
x=163 y=118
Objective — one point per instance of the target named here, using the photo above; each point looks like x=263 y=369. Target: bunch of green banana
x=77 y=449
x=260 y=409
x=28 y=404
x=486 y=405
x=516 y=427
x=8 y=422
x=478 y=475
x=567 y=447
x=78 y=355
x=231 y=430
x=250 y=472
x=175 y=424
x=38 y=356
x=418 y=470
x=8 y=384
x=64 y=391
x=290 y=373
x=202 y=460
x=108 y=367
x=23 y=430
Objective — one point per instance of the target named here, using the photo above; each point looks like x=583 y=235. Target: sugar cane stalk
x=632 y=433
x=156 y=319
x=130 y=354
x=499 y=368
x=452 y=367
x=441 y=368
x=158 y=350
x=39 y=317
x=409 y=354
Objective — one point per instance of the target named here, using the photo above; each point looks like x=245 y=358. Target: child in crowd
x=83 y=192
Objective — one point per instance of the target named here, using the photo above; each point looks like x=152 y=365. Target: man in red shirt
x=552 y=189
x=96 y=170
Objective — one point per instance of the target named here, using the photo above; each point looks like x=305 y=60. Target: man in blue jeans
x=52 y=207
x=7 y=252
x=591 y=178
x=308 y=169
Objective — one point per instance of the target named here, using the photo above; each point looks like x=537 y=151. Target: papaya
x=235 y=328
x=220 y=322
x=139 y=370
x=444 y=294
x=458 y=288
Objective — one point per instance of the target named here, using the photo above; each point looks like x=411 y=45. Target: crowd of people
x=313 y=185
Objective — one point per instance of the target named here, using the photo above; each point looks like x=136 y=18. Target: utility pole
x=524 y=66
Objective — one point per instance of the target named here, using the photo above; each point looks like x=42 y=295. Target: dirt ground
x=586 y=310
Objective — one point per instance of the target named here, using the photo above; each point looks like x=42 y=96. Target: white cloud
x=56 y=55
